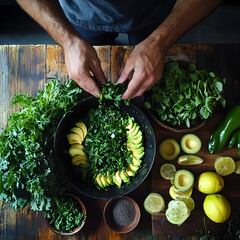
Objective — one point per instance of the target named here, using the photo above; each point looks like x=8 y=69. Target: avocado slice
x=136 y=130
x=104 y=181
x=183 y=180
x=191 y=143
x=134 y=168
x=99 y=181
x=109 y=179
x=117 y=179
x=124 y=176
x=136 y=140
x=138 y=155
x=130 y=172
x=134 y=146
x=135 y=136
x=136 y=162
x=132 y=129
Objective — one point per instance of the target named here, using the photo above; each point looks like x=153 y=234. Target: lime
x=237 y=167
x=189 y=202
x=217 y=208
x=177 y=212
x=224 y=166
x=154 y=203
x=167 y=171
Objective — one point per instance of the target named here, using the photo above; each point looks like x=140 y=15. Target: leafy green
x=185 y=96
x=113 y=92
x=65 y=214
x=27 y=169
x=105 y=144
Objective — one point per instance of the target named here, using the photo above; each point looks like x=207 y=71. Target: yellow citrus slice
x=175 y=194
x=154 y=203
x=224 y=166
x=237 y=167
x=167 y=171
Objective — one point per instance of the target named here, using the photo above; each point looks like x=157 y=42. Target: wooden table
x=27 y=68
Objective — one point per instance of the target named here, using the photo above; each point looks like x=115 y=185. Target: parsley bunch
x=185 y=96
x=106 y=141
x=27 y=170
x=65 y=214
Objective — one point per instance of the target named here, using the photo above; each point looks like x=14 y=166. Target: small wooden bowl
x=77 y=229
x=108 y=217
x=177 y=129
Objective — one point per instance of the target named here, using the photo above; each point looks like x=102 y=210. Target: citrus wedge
x=224 y=166
x=167 y=171
x=237 y=167
x=154 y=203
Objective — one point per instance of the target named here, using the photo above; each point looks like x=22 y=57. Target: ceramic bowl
x=63 y=159
x=77 y=229
x=109 y=219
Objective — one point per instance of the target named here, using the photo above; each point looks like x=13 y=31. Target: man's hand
x=146 y=63
x=82 y=60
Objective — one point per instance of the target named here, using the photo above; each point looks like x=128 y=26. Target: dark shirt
x=116 y=15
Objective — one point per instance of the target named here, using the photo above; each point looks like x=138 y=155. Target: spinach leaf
x=185 y=96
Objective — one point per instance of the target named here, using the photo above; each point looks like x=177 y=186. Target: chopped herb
x=65 y=214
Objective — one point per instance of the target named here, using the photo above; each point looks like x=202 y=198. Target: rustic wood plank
x=104 y=54
x=183 y=52
x=55 y=63
x=5 y=91
x=118 y=59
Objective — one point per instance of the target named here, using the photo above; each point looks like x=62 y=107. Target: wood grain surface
x=27 y=68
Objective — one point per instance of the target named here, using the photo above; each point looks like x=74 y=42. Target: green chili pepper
x=224 y=130
x=234 y=139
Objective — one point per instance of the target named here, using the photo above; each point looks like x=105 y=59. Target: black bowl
x=63 y=160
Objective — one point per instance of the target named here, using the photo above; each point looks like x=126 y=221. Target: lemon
x=167 y=171
x=189 y=202
x=237 y=167
x=210 y=182
x=217 y=208
x=175 y=194
x=154 y=203
x=177 y=212
x=224 y=165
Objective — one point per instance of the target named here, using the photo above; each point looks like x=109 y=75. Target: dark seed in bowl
x=123 y=212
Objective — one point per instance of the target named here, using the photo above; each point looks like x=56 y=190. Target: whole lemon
x=210 y=182
x=217 y=208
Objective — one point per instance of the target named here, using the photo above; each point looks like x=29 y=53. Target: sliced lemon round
x=237 y=167
x=189 y=202
x=167 y=171
x=154 y=203
x=177 y=212
x=175 y=194
x=224 y=166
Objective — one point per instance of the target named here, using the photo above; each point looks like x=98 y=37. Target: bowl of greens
x=104 y=150
x=185 y=97
x=67 y=215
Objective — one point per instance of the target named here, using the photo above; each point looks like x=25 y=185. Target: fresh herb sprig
x=65 y=214
x=185 y=96
x=113 y=92
x=27 y=170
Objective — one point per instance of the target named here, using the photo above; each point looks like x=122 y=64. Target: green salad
x=185 y=96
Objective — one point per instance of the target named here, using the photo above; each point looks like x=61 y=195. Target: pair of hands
x=145 y=62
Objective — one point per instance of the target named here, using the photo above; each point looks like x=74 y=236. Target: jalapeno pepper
x=224 y=130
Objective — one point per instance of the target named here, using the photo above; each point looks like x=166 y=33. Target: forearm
x=184 y=15
x=49 y=15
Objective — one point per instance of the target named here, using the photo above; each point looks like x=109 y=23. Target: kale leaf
x=27 y=170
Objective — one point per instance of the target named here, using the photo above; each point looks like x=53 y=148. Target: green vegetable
x=105 y=144
x=238 y=143
x=224 y=130
x=185 y=96
x=113 y=92
x=65 y=214
x=27 y=170
x=234 y=139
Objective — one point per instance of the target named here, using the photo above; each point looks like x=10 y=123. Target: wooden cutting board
x=197 y=220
